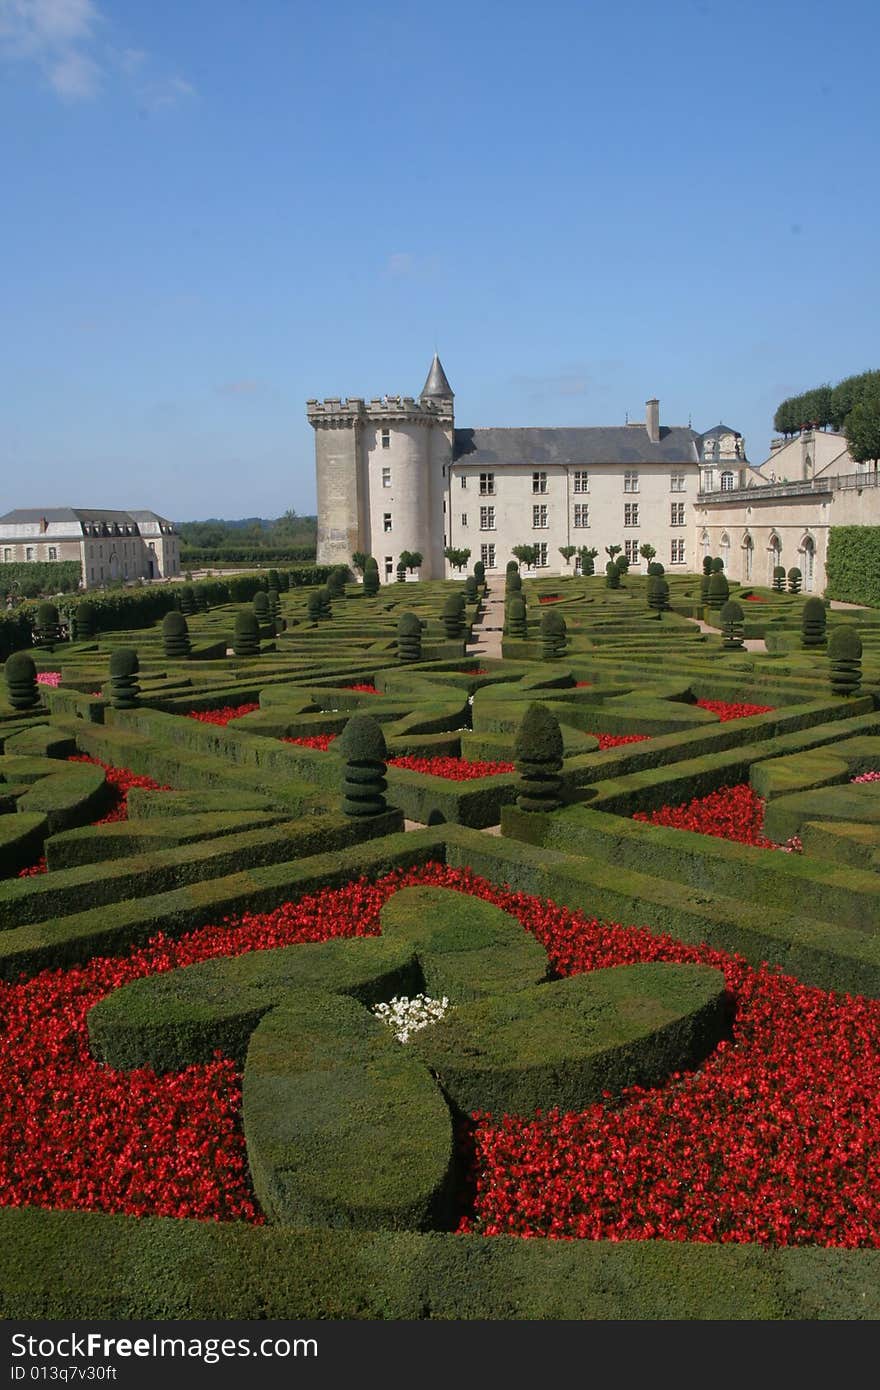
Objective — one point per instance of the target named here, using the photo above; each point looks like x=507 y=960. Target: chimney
x=652 y=420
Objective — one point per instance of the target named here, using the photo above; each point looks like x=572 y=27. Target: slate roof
x=719 y=430
x=598 y=444
x=437 y=385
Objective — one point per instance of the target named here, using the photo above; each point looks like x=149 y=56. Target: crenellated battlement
x=334 y=412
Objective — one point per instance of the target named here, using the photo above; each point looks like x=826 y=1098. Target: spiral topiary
x=409 y=637
x=401 y=573
x=316 y=607
x=794 y=580
x=513 y=583
x=326 y=604
x=538 y=753
x=480 y=572
x=188 y=605
x=813 y=623
x=47 y=626
x=246 y=633
x=362 y=745
x=273 y=579
x=86 y=616
x=779 y=579
x=517 y=622
x=21 y=681
x=719 y=590
x=731 y=618
x=612 y=576
x=845 y=656
x=175 y=635
x=553 y=635
x=262 y=610
x=371 y=577
x=453 y=617
x=704 y=579
x=124 y=688
x=658 y=593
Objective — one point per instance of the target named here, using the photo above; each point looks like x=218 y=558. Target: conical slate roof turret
x=436 y=385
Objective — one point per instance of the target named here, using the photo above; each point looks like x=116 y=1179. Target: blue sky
x=215 y=209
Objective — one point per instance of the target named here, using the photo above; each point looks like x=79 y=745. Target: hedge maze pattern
x=196 y=774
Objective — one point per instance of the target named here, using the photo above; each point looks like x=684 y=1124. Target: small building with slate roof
x=108 y=545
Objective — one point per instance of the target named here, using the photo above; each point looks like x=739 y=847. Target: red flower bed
x=319 y=741
x=120 y=781
x=775 y=1139
x=579 y=685
x=754 y=598
x=222 y=716
x=364 y=689
x=454 y=769
x=549 y=598
x=731 y=813
x=41 y=867
x=726 y=711
x=617 y=740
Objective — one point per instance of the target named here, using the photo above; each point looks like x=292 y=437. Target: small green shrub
x=175 y=635
x=124 y=688
x=246 y=634
x=845 y=656
x=362 y=745
x=813 y=623
x=517 y=623
x=779 y=579
x=719 y=590
x=731 y=618
x=794 y=580
x=409 y=637
x=538 y=752
x=21 y=681
x=553 y=635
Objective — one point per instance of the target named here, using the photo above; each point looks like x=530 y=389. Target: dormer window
x=728 y=481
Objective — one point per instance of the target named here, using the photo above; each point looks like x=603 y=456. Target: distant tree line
x=852 y=406
x=291 y=536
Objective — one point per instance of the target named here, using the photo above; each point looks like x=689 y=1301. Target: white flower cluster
x=405 y=1016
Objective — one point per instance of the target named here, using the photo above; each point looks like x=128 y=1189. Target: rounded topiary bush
x=453 y=617
x=553 y=635
x=470 y=589
x=86 y=616
x=175 y=635
x=658 y=593
x=409 y=637
x=188 y=605
x=336 y=581
x=779 y=578
x=517 y=622
x=794 y=580
x=845 y=656
x=202 y=603
x=814 y=621
x=246 y=633
x=731 y=618
x=371 y=578
x=273 y=579
x=362 y=745
x=622 y=563
x=719 y=590
x=326 y=602
x=262 y=607
x=315 y=606
x=47 y=625
x=401 y=574
x=274 y=603
x=656 y=570
x=480 y=572
x=538 y=753
x=513 y=583
x=512 y=567
x=612 y=575
x=20 y=675
x=124 y=688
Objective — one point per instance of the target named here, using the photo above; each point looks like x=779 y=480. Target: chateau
x=395 y=474
x=108 y=545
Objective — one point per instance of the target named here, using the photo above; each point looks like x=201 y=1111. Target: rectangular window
x=631 y=551
x=464 y=518
x=539 y=482
x=386 y=439
x=29 y=552
x=464 y=480
x=389 y=566
x=581 y=481
x=676 y=552
x=53 y=552
x=386 y=477
x=542 y=556
x=539 y=517
x=581 y=514
x=676 y=516
x=386 y=521
x=630 y=482
x=631 y=514
x=728 y=482
x=487 y=484
x=7 y=554
x=676 y=482
x=487 y=555
x=487 y=518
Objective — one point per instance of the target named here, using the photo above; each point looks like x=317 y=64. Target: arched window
x=728 y=481
x=808 y=563
x=748 y=546
x=704 y=543
x=774 y=555
x=725 y=551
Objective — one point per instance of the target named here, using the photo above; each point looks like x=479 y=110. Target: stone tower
x=381 y=471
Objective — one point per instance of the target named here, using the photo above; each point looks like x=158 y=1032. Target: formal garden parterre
x=234 y=829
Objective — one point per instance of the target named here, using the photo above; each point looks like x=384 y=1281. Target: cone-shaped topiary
x=262 y=611
x=794 y=580
x=656 y=570
x=480 y=572
x=316 y=607
x=845 y=656
x=188 y=605
x=246 y=633
x=513 y=583
x=453 y=617
x=274 y=603
x=175 y=635
x=719 y=590
x=371 y=578
x=512 y=567
x=362 y=745
x=336 y=581
x=409 y=637
x=124 y=688
x=731 y=619
x=553 y=638
x=779 y=579
x=326 y=604
x=21 y=681
x=538 y=752
x=86 y=621
x=47 y=633
x=612 y=576
x=470 y=589
x=658 y=593
x=517 y=622
x=813 y=623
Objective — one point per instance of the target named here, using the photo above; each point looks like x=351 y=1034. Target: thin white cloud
x=75 y=77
